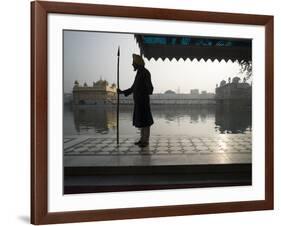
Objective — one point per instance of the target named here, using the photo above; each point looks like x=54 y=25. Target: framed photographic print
x=147 y=112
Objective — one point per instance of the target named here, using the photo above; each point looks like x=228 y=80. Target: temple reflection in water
x=233 y=119
x=92 y=110
x=99 y=118
x=193 y=120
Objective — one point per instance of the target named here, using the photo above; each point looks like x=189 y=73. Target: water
x=168 y=120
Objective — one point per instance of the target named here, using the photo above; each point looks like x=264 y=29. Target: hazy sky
x=89 y=56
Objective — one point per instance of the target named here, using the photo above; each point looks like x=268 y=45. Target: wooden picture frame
x=39 y=109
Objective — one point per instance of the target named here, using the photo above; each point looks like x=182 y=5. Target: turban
x=137 y=59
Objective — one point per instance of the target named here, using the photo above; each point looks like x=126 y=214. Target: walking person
x=141 y=89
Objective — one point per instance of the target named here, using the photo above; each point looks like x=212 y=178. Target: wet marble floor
x=162 y=150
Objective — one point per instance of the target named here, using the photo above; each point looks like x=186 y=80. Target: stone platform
x=86 y=151
x=98 y=164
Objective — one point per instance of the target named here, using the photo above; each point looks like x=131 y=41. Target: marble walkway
x=81 y=151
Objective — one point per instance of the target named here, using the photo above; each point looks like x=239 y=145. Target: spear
x=118 y=56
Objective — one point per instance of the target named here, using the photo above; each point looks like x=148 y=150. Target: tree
x=246 y=67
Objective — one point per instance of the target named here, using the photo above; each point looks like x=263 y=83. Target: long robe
x=141 y=89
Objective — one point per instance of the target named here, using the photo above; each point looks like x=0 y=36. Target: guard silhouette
x=141 y=89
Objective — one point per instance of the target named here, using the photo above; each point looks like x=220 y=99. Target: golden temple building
x=99 y=93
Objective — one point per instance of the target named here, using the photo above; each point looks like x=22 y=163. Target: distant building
x=234 y=92
x=203 y=92
x=194 y=91
x=222 y=83
x=170 y=92
x=174 y=99
x=100 y=93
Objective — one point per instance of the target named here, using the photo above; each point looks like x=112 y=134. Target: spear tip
x=118 y=53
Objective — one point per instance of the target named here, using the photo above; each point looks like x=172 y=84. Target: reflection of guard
x=141 y=89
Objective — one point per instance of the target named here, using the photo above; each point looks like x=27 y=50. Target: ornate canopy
x=183 y=47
